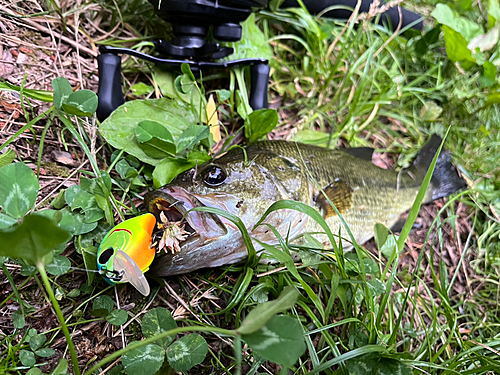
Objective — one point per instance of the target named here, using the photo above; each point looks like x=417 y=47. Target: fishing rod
x=193 y=20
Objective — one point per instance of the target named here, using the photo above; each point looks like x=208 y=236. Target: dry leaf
x=213 y=120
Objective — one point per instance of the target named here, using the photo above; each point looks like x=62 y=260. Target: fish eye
x=106 y=254
x=214 y=175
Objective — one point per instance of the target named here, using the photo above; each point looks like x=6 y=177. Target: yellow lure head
x=126 y=252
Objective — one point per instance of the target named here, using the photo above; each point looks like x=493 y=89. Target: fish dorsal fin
x=340 y=194
x=364 y=153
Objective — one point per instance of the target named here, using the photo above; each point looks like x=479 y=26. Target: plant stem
x=172 y=332
x=240 y=78
x=69 y=125
x=41 y=268
x=14 y=289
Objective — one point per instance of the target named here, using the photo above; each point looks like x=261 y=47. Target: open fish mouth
x=174 y=203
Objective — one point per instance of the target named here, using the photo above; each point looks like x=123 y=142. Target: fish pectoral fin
x=339 y=193
x=132 y=274
x=364 y=153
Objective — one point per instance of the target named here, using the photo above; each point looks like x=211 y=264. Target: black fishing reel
x=191 y=20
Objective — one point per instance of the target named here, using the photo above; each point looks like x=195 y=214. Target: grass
x=431 y=305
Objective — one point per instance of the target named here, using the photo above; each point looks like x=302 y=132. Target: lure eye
x=106 y=254
x=214 y=176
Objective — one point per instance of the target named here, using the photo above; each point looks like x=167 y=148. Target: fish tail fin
x=445 y=179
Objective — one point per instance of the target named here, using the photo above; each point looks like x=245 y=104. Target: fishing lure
x=125 y=254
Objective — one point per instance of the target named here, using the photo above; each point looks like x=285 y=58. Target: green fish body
x=246 y=182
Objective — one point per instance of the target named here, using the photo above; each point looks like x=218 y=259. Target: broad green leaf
x=59 y=266
x=430 y=111
x=166 y=82
x=184 y=85
x=119 y=128
x=45 y=352
x=456 y=46
x=36 y=341
x=145 y=360
x=447 y=16
x=62 y=90
x=169 y=168
x=156 y=321
x=377 y=286
x=26 y=269
x=492 y=98
x=253 y=43
x=280 y=341
x=187 y=352
x=92 y=186
x=18 y=319
x=34 y=371
x=490 y=71
x=192 y=136
x=103 y=302
x=61 y=368
x=155 y=140
x=100 y=185
x=33 y=240
x=70 y=221
x=6 y=221
x=493 y=13
x=186 y=70
x=141 y=88
x=73 y=293
x=223 y=95
x=81 y=103
x=27 y=358
x=260 y=315
x=58 y=202
x=389 y=247
x=117 y=317
x=381 y=233
x=72 y=193
x=73 y=223
x=125 y=170
x=76 y=197
x=260 y=123
x=7 y=157
x=18 y=189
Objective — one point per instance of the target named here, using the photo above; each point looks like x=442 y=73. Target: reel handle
x=259 y=85
x=110 y=86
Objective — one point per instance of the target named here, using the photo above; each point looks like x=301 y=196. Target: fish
x=246 y=181
x=126 y=252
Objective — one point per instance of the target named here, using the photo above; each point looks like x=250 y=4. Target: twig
x=55 y=34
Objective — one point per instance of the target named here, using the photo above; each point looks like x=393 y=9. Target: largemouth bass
x=246 y=182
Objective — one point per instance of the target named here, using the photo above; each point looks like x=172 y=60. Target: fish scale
x=378 y=195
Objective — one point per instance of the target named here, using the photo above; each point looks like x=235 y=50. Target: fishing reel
x=192 y=22
x=195 y=21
